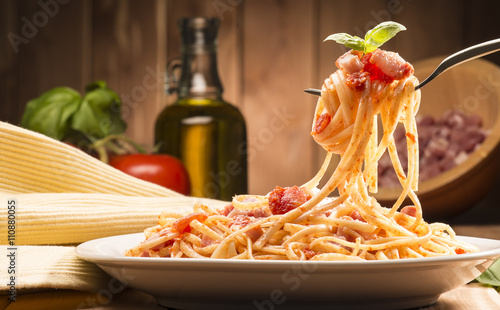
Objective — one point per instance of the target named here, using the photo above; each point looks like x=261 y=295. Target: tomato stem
x=117 y=144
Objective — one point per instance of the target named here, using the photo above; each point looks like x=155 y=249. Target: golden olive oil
x=207 y=133
x=209 y=136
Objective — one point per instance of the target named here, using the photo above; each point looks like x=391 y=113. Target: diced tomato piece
x=321 y=123
x=411 y=137
x=182 y=224
x=376 y=73
x=283 y=200
x=309 y=253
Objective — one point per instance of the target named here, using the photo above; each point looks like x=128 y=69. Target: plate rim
x=82 y=252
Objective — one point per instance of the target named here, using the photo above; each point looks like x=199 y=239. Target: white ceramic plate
x=227 y=284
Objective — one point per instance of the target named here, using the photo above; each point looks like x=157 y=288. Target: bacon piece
x=257 y=213
x=350 y=62
x=378 y=65
x=241 y=220
x=182 y=224
x=226 y=210
x=321 y=123
x=254 y=233
x=283 y=200
x=237 y=212
x=164 y=232
x=356 y=216
x=261 y=212
x=343 y=233
x=162 y=245
x=409 y=210
x=206 y=241
x=391 y=64
x=368 y=235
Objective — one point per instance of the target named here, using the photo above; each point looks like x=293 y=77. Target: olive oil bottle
x=207 y=133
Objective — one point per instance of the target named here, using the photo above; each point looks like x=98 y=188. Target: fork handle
x=473 y=52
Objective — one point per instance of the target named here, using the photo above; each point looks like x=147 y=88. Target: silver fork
x=473 y=52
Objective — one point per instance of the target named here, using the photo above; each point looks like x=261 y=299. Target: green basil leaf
x=96 y=85
x=99 y=113
x=353 y=42
x=51 y=112
x=492 y=275
x=382 y=33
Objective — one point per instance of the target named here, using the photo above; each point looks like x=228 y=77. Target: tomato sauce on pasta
x=306 y=222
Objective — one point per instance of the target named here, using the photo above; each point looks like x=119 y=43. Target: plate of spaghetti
x=181 y=283
x=297 y=245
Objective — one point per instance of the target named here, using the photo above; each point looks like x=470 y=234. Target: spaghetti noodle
x=305 y=223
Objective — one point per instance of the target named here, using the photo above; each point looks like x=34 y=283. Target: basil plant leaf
x=50 y=113
x=96 y=85
x=492 y=275
x=382 y=33
x=99 y=113
x=353 y=42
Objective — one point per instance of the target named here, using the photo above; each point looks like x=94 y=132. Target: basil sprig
x=61 y=113
x=491 y=277
x=374 y=38
x=51 y=112
x=99 y=112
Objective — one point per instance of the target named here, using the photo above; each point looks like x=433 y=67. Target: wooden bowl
x=474 y=88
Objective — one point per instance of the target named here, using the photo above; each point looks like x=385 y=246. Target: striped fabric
x=64 y=197
x=54 y=267
x=69 y=218
x=33 y=163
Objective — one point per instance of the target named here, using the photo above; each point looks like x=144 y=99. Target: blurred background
x=269 y=51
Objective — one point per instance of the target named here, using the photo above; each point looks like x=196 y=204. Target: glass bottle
x=207 y=133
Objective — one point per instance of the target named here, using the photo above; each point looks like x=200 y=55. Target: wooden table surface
x=470 y=297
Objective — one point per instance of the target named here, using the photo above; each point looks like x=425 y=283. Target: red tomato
x=161 y=169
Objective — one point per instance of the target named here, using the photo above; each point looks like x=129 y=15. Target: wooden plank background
x=269 y=51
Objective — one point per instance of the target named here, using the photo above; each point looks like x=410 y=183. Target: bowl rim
x=486 y=148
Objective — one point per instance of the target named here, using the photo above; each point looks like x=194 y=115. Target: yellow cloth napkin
x=34 y=163
x=55 y=196
x=52 y=267
x=69 y=218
